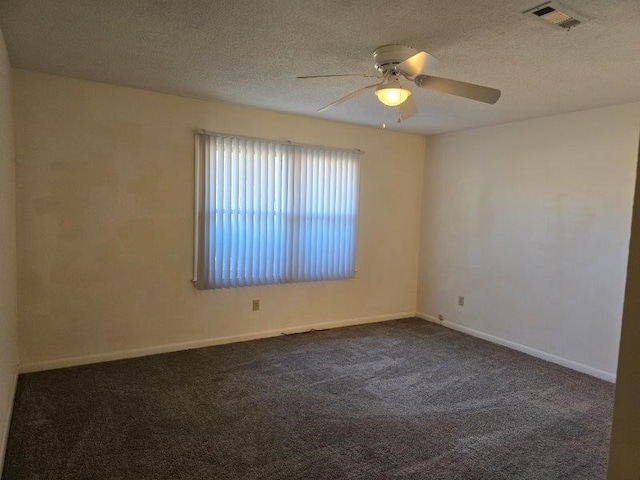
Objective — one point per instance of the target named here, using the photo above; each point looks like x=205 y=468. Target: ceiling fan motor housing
x=387 y=57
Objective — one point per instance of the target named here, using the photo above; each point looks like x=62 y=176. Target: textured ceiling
x=249 y=52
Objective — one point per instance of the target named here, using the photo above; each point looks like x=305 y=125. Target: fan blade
x=461 y=89
x=407 y=109
x=418 y=64
x=340 y=75
x=348 y=97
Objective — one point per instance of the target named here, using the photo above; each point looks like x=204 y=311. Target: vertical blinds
x=269 y=212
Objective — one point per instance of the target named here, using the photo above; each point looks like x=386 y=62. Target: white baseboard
x=174 y=347
x=4 y=433
x=428 y=318
x=609 y=377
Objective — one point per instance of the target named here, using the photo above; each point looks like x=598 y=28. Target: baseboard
x=601 y=374
x=174 y=347
x=4 y=438
x=428 y=318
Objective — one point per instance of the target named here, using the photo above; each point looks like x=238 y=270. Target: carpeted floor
x=396 y=400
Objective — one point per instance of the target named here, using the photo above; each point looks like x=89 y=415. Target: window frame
x=201 y=254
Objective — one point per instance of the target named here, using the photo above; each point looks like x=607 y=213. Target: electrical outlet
x=461 y=301
x=256 y=305
x=441 y=317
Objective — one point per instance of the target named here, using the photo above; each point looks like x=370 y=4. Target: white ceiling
x=249 y=52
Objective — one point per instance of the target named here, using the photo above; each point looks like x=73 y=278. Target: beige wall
x=530 y=222
x=624 y=461
x=105 y=195
x=8 y=332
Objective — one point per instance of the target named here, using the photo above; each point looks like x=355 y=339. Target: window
x=270 y=212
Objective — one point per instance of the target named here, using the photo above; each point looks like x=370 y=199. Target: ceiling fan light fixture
x=392 y=94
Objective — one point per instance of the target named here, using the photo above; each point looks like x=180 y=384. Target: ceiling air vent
x=556 y=15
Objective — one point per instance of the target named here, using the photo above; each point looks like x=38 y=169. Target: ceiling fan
x=398 y=62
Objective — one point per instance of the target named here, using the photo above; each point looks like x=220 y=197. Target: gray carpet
x=396 y=400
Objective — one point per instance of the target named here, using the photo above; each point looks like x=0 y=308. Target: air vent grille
x=556 y=15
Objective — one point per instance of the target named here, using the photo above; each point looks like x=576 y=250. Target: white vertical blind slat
x=262 y=238
x=247 y=216
x=242 y=198
x=233 y=219
x=255 y=220
x=283 y=215
x=302 y=218
x=288 y=270
x=339 y=215
x=317 y=233
x=270 y=214
x=333 y=218
x=208 y=218
x=353 y=215
x=324 y=206
x=218 y=239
